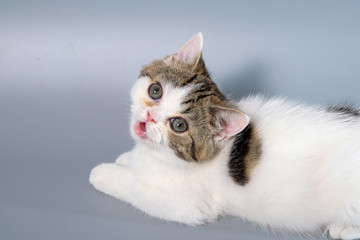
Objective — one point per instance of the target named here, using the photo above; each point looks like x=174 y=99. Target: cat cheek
x=138 y=113
x=165 y=133
x=158 y=135
x=154 y=132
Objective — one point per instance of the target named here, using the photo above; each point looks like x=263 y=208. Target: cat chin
x=145 y=140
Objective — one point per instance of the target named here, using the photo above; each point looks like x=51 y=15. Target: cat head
x=176 y=105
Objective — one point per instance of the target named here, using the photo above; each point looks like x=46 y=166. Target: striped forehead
x=174 y=96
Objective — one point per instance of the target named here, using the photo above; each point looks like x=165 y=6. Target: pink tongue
x=140 y=129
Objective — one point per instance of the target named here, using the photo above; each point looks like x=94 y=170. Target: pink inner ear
x=191 y=51
x=233 y=122
x=236 y=127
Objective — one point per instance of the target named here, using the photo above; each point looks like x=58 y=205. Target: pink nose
x=150 y=118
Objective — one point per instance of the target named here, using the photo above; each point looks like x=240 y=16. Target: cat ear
x=229 y=122
x=190 y=53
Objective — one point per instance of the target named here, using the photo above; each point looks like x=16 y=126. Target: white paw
x=345 y=233
x=105 y=177
x=98 y=176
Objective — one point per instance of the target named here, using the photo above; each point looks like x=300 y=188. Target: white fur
x=308 y=175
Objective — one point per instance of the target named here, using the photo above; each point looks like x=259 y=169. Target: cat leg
x=162 y=200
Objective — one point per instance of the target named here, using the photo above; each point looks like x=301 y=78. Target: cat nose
x=149 y=118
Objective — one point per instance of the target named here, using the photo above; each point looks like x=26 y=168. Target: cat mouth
x=140 y=130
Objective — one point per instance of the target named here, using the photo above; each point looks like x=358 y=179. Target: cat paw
x=344 y=232
x=105 y=177
x=97 y=178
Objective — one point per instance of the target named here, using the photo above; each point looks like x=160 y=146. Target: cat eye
x=178 y=124
x=155 y=91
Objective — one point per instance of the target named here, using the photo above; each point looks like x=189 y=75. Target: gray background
x=66 y=68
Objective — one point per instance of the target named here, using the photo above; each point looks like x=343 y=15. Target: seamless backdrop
x=66 y=68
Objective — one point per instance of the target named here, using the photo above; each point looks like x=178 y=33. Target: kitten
x=199 y=155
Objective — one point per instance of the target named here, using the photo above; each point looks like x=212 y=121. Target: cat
x=199 y=156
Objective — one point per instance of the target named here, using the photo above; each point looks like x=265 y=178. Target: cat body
x=200 y=156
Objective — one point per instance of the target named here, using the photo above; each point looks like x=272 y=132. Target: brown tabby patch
x=245 y=155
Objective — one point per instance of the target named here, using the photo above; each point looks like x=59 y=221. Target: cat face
x=176 y=105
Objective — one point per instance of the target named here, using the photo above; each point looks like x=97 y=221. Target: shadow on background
x=253 y=78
